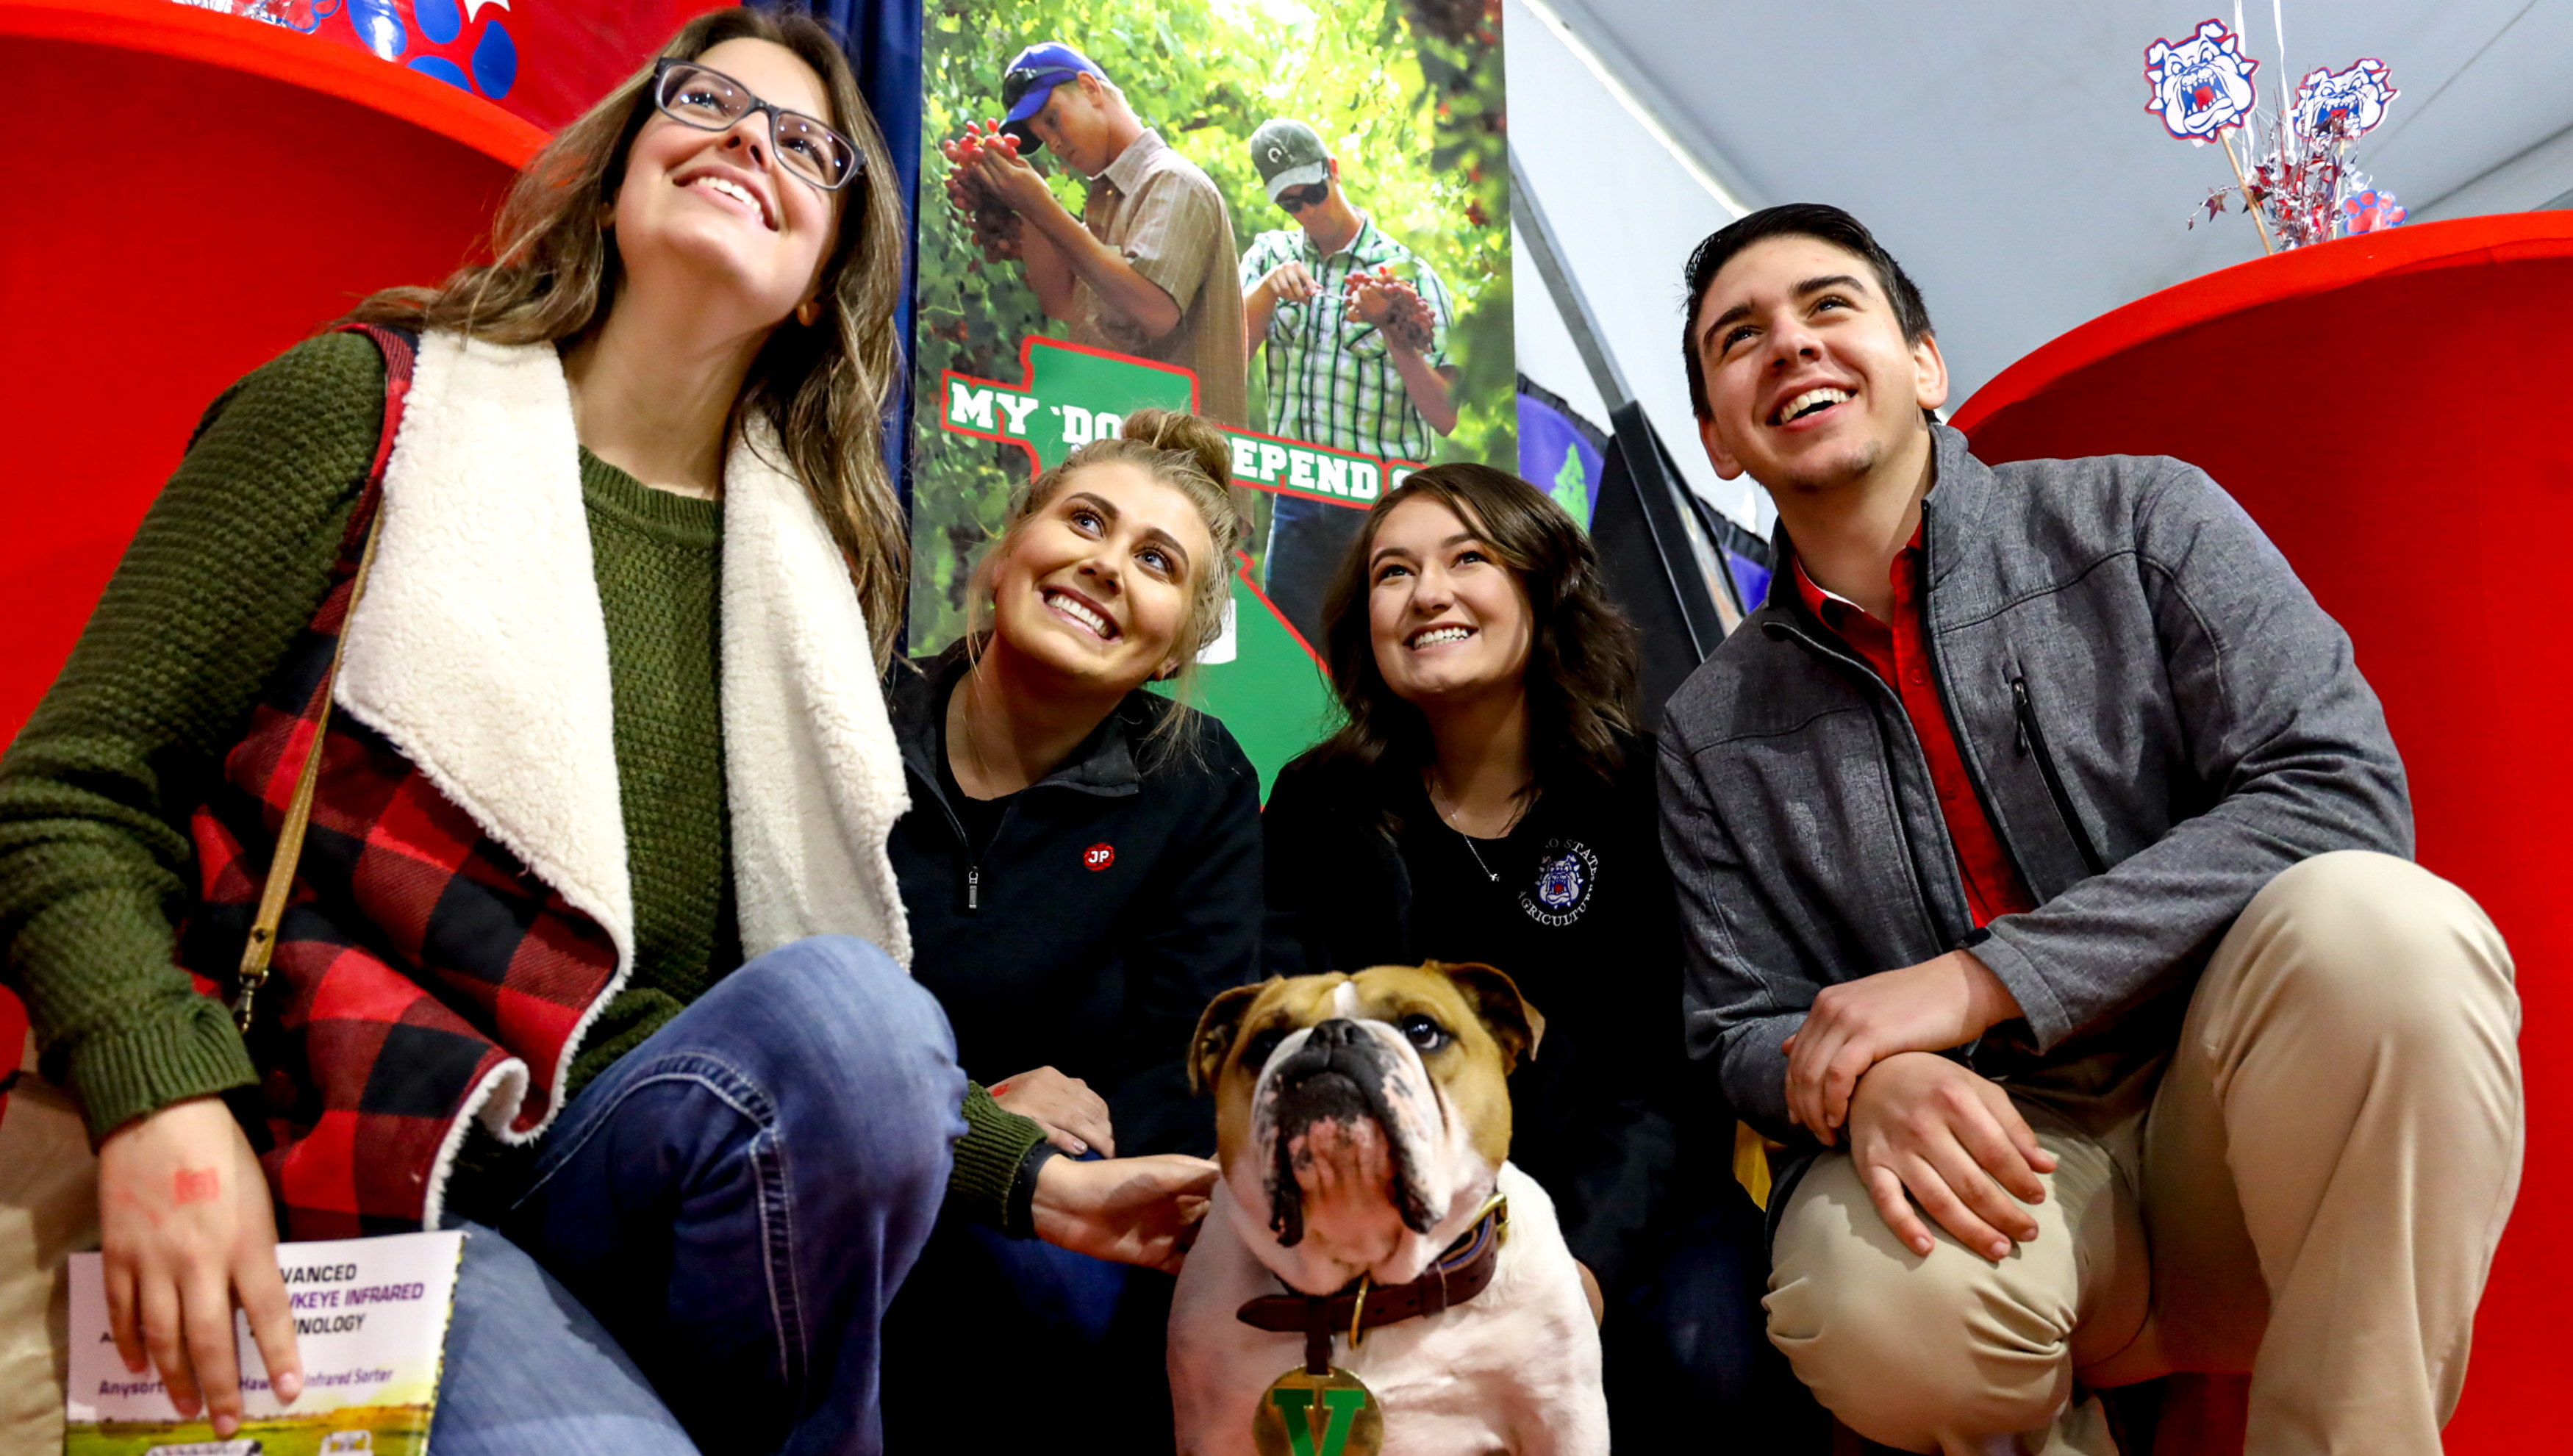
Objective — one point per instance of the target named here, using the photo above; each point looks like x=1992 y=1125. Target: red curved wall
x=215 y=190
x=2393 y=409
x=2386 y=406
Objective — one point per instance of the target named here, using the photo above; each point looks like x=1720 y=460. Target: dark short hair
x=1582 y=653
x=1819 y=221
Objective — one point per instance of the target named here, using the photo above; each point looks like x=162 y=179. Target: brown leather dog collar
x=1459 y=1275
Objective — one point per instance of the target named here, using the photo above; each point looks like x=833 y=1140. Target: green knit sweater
x=228 y=566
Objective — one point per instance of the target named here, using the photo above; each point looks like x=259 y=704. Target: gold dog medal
x=1332 y=1414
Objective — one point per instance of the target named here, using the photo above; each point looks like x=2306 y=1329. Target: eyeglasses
x=707 y=99
x=1296 y=198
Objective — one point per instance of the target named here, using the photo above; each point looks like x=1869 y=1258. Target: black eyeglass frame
x=661 y=70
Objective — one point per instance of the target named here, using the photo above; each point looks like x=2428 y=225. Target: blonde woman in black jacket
x=1081 y=871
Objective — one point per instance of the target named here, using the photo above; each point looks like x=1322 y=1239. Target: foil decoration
x=2292 y=172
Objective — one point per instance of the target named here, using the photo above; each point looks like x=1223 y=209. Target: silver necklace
x=1487 y=870
x=1448 y=817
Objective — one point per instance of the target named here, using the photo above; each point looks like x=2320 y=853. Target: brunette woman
x=1489 y=798
x=586 y=653
x=1082 y=866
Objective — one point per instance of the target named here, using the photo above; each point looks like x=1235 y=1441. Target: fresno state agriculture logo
x=1567 y=873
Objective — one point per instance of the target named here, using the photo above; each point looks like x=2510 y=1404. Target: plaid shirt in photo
x=1330 y=378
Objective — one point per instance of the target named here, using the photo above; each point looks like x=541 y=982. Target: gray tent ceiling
x=2001 y=150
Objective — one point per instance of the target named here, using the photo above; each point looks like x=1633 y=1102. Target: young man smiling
x=2044 y=863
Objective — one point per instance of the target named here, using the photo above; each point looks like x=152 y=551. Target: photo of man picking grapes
x=1146 y=268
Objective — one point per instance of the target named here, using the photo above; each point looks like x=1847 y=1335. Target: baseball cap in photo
x=1289 y=155
x=1032 y=76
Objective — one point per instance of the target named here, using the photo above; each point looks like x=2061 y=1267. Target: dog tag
x=1304 y=1414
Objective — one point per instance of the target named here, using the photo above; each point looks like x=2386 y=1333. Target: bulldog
x=1364 y=1128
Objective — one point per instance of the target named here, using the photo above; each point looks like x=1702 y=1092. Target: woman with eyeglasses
x=592 y=937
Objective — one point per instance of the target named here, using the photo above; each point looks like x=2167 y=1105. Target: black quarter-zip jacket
x=1120 y=895
x=1362 y=872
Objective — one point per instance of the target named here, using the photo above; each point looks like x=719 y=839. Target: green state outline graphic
x=1388 y=472
x=1276 y=696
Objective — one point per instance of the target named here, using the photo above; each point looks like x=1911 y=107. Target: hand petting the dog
x=1852 y=1027
x=1133 y=1210
x=1073 y=1117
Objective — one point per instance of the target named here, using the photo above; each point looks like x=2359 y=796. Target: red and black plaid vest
x=421 y=972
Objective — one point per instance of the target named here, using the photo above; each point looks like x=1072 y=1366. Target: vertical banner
x=1288 y=216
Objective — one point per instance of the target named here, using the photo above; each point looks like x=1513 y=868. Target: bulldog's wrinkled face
x=1361 y=1120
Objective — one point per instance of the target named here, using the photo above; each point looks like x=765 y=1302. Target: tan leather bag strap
x=298 y=810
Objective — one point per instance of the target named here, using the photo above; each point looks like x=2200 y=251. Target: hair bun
x=1183 y=435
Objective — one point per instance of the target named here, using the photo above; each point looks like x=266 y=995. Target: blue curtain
x=883 y=41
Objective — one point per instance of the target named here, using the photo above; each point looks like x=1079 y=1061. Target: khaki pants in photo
x=2310 y=1194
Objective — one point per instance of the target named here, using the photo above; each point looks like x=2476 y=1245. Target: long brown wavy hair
x=1582 y=655
x=556 y=273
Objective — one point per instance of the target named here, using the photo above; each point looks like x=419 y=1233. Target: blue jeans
x=1088 y=1327
x=1687 y=1343
x=730 y=1205
x=1307 y=543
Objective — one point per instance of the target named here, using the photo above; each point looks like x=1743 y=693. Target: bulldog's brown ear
x=1495 y=997
x=1215 y=1030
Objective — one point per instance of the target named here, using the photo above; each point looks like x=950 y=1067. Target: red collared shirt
x=1900 y=653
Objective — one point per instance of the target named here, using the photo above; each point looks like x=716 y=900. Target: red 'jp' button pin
x=1099 y=856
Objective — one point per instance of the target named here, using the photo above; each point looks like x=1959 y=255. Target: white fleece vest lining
x=481 y=652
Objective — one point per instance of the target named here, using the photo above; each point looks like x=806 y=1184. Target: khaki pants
x=2310 y=1194
x=48 y=1209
